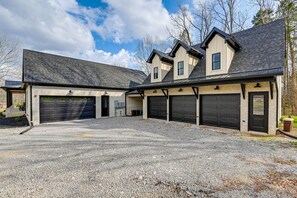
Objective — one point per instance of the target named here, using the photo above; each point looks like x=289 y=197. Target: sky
x=105 y=31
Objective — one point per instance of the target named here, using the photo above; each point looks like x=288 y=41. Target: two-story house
x=228 y=80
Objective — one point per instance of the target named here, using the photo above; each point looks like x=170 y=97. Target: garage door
x=220 y=110
x=66 y=108
x=183 y=109
x=157 y=107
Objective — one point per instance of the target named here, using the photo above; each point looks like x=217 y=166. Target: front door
x=258 y=111
x=104 y=106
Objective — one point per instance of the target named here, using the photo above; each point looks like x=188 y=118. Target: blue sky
x=105 y=31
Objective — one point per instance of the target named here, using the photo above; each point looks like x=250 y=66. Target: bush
x=17 y=119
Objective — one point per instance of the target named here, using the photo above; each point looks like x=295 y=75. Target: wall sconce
x=70 y=91
x=105 y=93
x=180 y=90
x=257 y=85
x=217 y=88
x=155 y=91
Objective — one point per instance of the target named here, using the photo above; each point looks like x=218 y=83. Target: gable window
x=180 y=68
x=155 y=72
x=216 y=61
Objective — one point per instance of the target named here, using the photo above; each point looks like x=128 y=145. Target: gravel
x=131 y=157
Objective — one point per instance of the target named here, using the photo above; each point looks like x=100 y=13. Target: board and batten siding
x=229 y=89
x=38 y=91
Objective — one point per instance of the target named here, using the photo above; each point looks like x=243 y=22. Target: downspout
x=31 y=111
x=125 y=103
x=277 y=101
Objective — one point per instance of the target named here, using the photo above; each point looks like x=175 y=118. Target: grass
x=293 y=117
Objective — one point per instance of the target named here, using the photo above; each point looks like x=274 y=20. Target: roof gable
x=163 y=56
x=227 y=37
x=189 y=49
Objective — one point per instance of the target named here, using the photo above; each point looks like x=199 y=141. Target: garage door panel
x=183 y=109
x=66 y=108
x=220 y=110
x=157 y=107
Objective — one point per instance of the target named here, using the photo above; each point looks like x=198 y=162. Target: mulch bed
x=13 y=122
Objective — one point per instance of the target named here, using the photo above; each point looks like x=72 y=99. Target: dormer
x=185 y=59
x=220 y=48
x=161 y=63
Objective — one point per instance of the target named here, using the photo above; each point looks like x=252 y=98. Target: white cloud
x=44 y=25
x=130 y=19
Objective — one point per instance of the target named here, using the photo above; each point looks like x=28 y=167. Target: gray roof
x=190 y=49
x=162 y=55
x=43 y=68
x=262 y=54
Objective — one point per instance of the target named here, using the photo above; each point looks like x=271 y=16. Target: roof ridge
x=77 y=59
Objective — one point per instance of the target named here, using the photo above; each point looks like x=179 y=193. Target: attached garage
x=57 y=108
x=220 y=110
x=157 y=107
x=183 y=109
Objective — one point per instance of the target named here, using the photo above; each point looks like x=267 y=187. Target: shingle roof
x=262 y=53
x=163 y=56
x=190 y=49
x=43 y=68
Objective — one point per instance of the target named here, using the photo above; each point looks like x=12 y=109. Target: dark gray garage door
x=183 y=109
x=220 y=110
x=157 y=107
x=66 y=108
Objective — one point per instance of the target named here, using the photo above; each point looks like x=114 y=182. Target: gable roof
x=163 y=56
x=49 y=69
x=262 y=54
x=189 y=49
x=227 y=37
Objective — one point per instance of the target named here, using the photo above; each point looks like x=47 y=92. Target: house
x=14 y=98
x=60 y=88
x=228 y=80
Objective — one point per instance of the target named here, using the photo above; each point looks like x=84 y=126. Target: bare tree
x=182 y=27
x=229 y=15
x=9 y=55
x=203 y=18
x=144 y=49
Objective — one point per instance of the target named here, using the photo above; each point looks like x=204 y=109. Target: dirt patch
x=179 y=189
x=285 y=162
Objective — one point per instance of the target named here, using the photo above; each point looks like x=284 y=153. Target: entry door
x=258 y=111
x=104 y=106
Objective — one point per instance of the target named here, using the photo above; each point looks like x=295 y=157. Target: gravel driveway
x=131 y=157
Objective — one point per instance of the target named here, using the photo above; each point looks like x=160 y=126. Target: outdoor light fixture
x=258 y=85
x=217 y=88
x=155 y=91
x=70 y=91
x=180 y=90
x=105 y=93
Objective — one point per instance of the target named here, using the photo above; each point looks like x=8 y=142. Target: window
x=155 y=72
x=258 y=105
x=216 y=61
x=180 y=68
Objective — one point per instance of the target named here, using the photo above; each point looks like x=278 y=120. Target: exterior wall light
x=105 y=93
x=70 y=91
x=258 y=85
x=217 y=88
x=155 y=91
x=180 y=90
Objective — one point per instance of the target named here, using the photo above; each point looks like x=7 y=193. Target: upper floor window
x=216 y=61
x=155 y=72
x=180 y=68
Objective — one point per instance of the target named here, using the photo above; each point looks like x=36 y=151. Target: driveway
x=131 y=157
